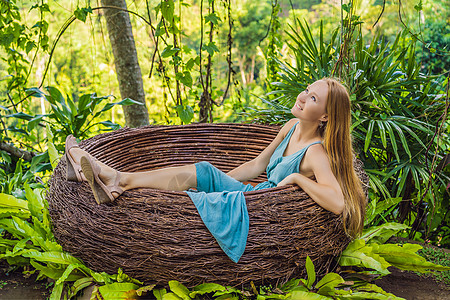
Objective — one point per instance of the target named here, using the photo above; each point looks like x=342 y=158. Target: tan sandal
x=73 y=170
x=102 y=192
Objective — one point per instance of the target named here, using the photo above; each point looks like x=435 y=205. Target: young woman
x=317 y=143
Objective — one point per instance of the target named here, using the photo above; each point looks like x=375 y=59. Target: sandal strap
x=74 y=146
x=115 y=187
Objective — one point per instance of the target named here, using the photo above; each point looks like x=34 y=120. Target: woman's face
x=311 y=103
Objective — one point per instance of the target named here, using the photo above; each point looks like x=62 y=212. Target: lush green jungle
x=234 y=62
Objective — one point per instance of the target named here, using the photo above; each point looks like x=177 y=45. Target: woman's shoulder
x=287 y=126
x=316 y=153
x=291 y=122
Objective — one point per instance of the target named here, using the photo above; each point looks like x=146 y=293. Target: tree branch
x=14 y=151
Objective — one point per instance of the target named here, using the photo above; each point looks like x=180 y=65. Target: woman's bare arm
x=326 y=191
x=258 y=165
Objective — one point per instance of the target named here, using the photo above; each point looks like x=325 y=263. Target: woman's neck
x=305 y=132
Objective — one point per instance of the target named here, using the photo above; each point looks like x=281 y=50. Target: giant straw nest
x=157 y=235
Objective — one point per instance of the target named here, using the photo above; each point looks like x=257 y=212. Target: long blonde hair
x=338 y=145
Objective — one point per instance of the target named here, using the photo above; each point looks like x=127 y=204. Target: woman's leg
x=173 y=178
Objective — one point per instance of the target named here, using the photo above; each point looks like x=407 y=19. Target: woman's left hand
x=288 y=180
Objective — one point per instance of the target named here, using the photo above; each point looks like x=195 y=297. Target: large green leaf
x=185 y=78
x=8 y=212
x=302 y=295
x=382 y=133
x=118 y=290
x=26 y=230
x=83 y=102
x=167 y=9
x=49 y=272
x=359 y=254
x=57 y=292
x=159 y=293
x=35 y=202
x=372 y=291
x=369 y=135
x=380 y=234
x=55 y=272
x=126 y=101
x=311 y=273
x=21 y=245
x=67 y=272
x=328 y=283
x=10 y=226
x=9 y=201
x=171 y=296
x=205 y=288
x=376 y=183
x=79 y=285
x=52 y=256
x=179 y=289
x=405 y=257
x=185 y=113
x=102 y=277
x=7 y=244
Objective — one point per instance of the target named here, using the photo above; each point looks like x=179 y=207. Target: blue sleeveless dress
x=220 y=199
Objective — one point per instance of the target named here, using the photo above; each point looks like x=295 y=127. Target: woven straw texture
x=156 y=235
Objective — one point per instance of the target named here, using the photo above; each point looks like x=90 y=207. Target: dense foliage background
x=236 y=61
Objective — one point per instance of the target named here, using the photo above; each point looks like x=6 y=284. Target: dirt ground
x=407 y=285
x=410 y=286
x=13 y=285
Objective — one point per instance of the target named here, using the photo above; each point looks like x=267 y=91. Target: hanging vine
x=229 y=45
x=348 y=25
x=274 y=43
x=169 y=27
x=206 y=102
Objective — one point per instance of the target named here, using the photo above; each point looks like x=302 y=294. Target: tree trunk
x=241 y=68
x=205 y=105
x=252 y=70
x=125 y=58
x=405 y=206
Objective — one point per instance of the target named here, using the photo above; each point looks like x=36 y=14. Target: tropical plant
x=12 y=182
x=370 y=251
x=26 y=239
x=68 y=116
x=81 y=118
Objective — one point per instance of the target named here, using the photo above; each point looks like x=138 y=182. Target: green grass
x=440 y=257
